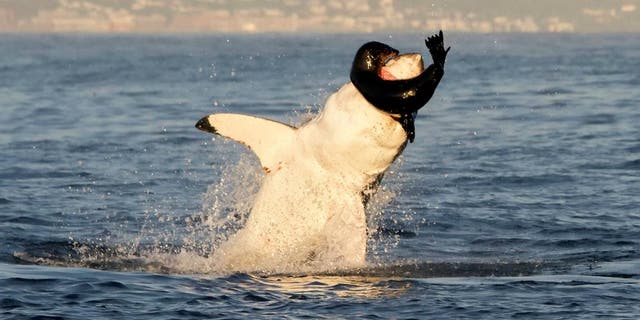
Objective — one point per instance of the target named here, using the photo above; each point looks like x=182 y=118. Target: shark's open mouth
x=384 y=72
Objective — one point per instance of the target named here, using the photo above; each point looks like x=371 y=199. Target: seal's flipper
x=435 y=44
x=266 y=138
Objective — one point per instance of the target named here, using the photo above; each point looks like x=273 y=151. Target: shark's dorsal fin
x=266 y=138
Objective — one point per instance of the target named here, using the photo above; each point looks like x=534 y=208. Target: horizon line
x=355 y=32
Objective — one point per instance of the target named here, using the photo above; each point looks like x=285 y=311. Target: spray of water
x=171 y=243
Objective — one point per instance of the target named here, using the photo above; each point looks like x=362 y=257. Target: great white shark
x=309 y=212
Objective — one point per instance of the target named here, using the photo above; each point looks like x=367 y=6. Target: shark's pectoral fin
x=266 y=138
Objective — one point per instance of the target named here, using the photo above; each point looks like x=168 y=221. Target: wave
x=185 y=263
x=104 y=258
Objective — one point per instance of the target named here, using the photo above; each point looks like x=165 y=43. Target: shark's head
x=405 y=66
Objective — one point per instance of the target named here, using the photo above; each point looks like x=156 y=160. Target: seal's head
x=373 y=55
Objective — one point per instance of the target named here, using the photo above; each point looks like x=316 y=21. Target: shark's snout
x=405 y=66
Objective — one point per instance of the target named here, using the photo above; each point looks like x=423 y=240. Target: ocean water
x=520 y=197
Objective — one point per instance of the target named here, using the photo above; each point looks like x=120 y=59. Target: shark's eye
x=388 y=58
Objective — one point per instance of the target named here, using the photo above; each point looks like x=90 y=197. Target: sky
x=254 y=16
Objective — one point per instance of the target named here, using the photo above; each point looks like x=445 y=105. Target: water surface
x=518 y=198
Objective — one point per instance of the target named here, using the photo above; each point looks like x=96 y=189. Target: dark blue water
x=520 y=197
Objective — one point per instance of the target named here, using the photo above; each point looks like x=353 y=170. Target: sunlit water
x=518 y=198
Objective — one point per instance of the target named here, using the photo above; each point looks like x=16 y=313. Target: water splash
x=170 y=242
x=386 y=220
x=225 y=206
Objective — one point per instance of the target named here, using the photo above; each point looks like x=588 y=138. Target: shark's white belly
x=298 y=220
x=310 y=211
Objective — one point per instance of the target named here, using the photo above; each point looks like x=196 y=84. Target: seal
x=399 y=97
x=309 y=212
